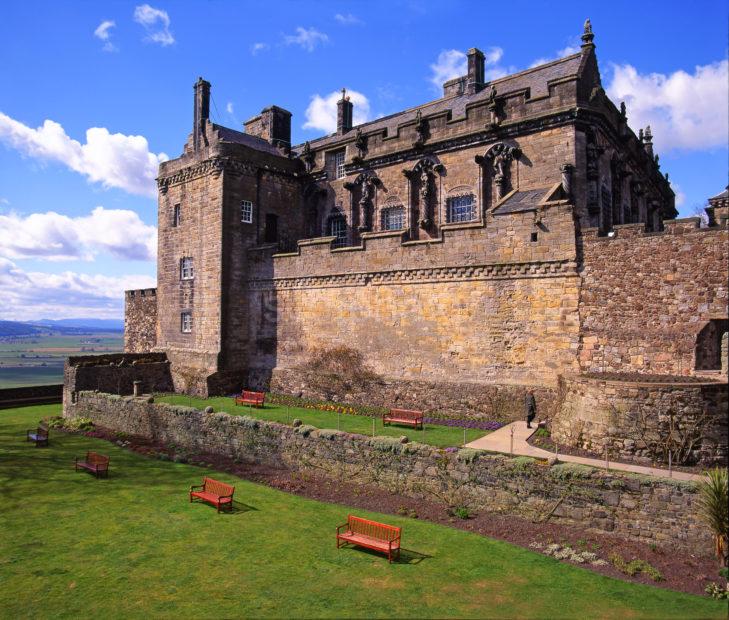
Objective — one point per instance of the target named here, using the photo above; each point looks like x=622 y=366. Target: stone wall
x=642 y=421
x=116 y=374
x=140 y=320
x=646 y=297
x=503 y=403
x=653 y=510
x=31 y=395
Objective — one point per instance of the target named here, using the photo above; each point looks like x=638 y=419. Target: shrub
x=634 y=567
x=56 y=422
x=714 y=590
x=468 y=455
x=522 y=463
x=461 y=512
x=714 y=511
x=248 y=422
x=328 y=433
x=542 y=432
x=387 y=444
x=565 y=471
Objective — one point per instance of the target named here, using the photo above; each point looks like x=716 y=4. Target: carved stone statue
x=360 y=143
x=500 y=156
x=493 y=107
x=308 y=156
x=421 y=129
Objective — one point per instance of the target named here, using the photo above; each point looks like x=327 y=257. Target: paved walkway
x=500 y=440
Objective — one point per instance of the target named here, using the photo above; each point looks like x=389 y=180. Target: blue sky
x=77 y=209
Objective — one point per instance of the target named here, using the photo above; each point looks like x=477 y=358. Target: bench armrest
x=197 y=486
x=339 y=527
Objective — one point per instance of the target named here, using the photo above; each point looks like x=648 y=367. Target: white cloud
x=4 y=201
x=306 y=38
x=322 y=111
x=114 y=160
x=156 y=22
x=454 y=63
x=229 y=108
x=103 y=33
x=348 y=19
x=570 y=49
x=259 y=47
x=52 y=236
x=680 y=195
x=33 y=295
x=685 y=111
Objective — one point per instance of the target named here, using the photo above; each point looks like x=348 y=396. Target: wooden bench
x=370 y=534
x=39 y=435
x=408 y=417
x=216 y=493
x=97 y=464
x=255 y=399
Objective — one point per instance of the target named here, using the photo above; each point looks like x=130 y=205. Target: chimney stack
x=201 y=110
x=475 y=71
x=648 y=141
x=345 y=109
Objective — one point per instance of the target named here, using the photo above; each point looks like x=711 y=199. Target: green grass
x=435 y=435
x=133 y=547
x=31 y=375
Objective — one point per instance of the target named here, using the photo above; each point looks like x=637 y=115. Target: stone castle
x=507 y=235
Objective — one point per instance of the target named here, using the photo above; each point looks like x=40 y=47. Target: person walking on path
x=531 y=407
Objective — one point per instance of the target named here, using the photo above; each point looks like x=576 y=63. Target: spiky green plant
x=714 y=508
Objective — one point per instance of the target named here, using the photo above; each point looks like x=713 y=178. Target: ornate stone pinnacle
x=587 y=35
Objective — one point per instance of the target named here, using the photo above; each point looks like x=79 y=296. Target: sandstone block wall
x=653 y=510
x=140 y=320
x=640 y=421
x=645 y=297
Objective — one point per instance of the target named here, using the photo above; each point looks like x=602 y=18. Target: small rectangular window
x=270 y=233
x=246 y=211
x=186 y=270
x=176 y=216
x=461 y=208
x=186 y=322
x=336 y=164
x=337 y=227
x=393 y=218
x=534 y=236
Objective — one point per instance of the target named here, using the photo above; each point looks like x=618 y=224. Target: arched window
x=337 y=227
x=709 y=345
x=392 y=218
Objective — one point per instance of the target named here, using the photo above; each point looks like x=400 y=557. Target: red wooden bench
x=408 y=417
x=216 y=493
x=39 y=435
x=255 y=399
x=96 y=463
x=370 y=534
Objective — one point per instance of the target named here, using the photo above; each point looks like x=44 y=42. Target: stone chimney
x=201 y=112
x=475 y=79
x=273 y=124
x=345 y=109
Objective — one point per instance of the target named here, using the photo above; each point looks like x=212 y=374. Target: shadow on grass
x=239 y=508
x=407 y=556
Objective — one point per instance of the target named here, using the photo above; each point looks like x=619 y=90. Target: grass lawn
x=132 y=546
x=435 y=435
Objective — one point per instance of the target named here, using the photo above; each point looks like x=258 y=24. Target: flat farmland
x=39 y=359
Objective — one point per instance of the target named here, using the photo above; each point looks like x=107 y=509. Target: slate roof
x=536 y=79
x=522 y=200
x=723 y=196
x=238 y=137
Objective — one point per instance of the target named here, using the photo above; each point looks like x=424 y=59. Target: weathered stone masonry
x=140 y=320
x=645 y=509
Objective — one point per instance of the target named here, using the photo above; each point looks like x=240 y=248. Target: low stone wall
x=116 y=373
x=640 y=421
x=646 y=509
x=503 y=403
x=32 y=395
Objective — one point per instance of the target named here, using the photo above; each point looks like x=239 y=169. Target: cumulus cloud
x=454 y=63
x=259 y=47
x=103 y=33
x=31 y=295
x=52 y=236
x=573 y=48
x=347 y=19
x=322 y=111
x=114 y=160
x=686 y=111
x=156 y=22
x=307 y=38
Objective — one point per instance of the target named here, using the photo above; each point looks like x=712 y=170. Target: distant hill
x=12 y=329
x=96 y=324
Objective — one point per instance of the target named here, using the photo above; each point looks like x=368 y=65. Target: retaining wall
x=646 y=509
